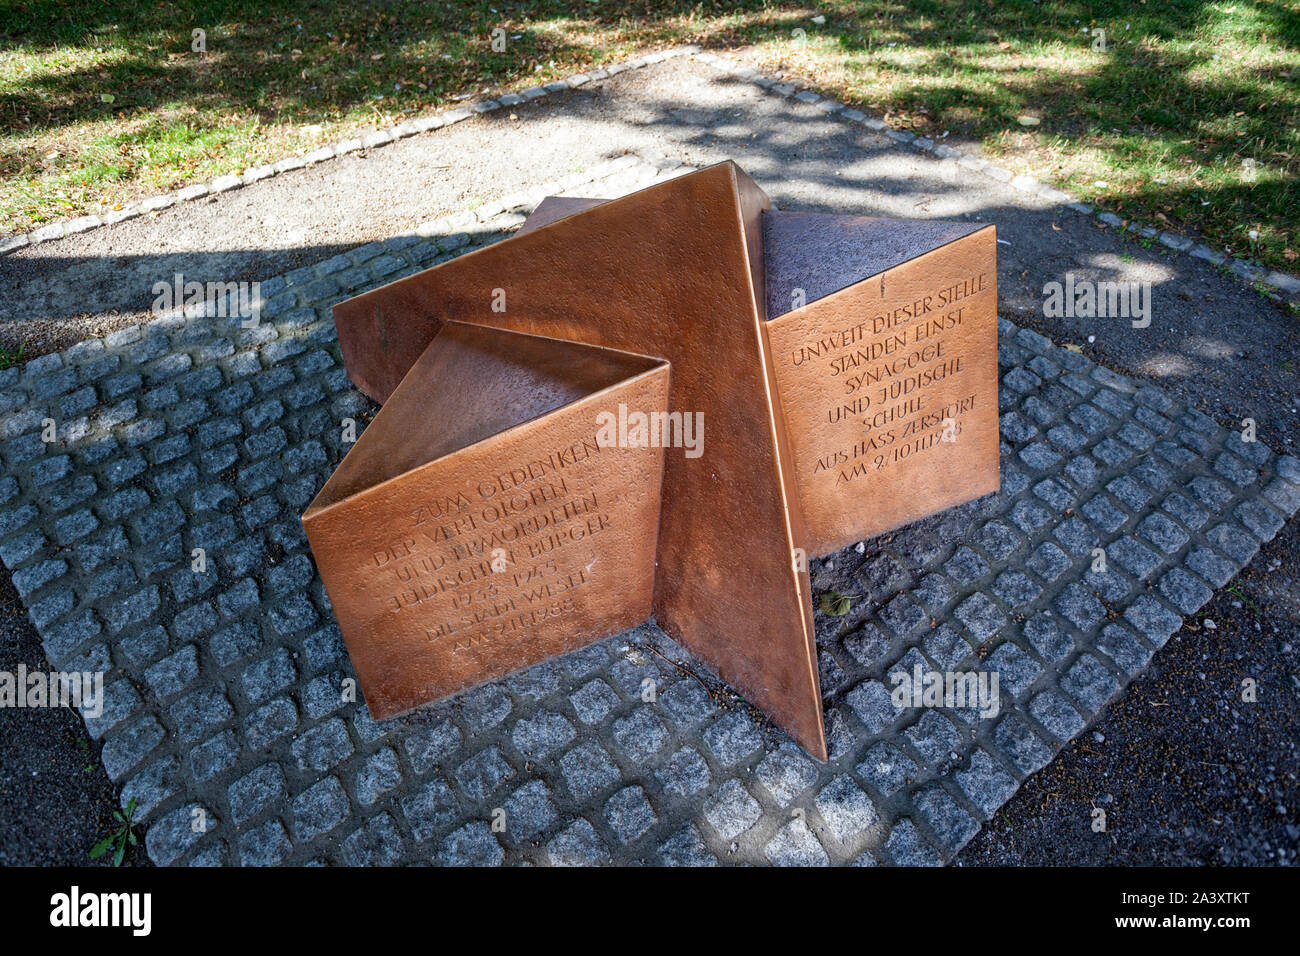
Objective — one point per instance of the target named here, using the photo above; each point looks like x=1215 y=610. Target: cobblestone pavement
x=224 y=716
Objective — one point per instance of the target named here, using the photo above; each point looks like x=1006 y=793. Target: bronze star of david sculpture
x=845 y=368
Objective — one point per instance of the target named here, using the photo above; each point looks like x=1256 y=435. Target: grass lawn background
x=1187 y=119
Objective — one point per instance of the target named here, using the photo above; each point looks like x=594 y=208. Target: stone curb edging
x=1280 y=283
x=342 y=147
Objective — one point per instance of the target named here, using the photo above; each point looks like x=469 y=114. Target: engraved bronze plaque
x=883 y=334
x=673 y=271
x=845 y=368
x=477 y=526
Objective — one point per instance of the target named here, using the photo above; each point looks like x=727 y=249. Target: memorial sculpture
x=844 y=368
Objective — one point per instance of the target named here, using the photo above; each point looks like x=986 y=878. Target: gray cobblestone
x=686 y=848
x=640 y=735
x=795 y=845
x=213 y=757
x=846 y=809
x=1022 y=746
x=1232 y=541
x=1134 y=556
x=981 y=616
x=732 y=810
x=319 y=809
x=593 y=701
x=1119 y=643
x=265 y=845
x=1060 y=719
x=1211 y=566
x=577 y=845
x=378 y=843
x=322 y=747
x=174 y=673
x=907 y=848
x=1016 y=670
x=430 y=808
x=197 y=714
x=1089 y=682
x=121 y=701
x=629 y=814
x=1184 y=591
x=985 y=783
x=1163 y=533
x=1016 y=589
x=174 y=833
x=127 y=747
x=732 y=738
x=270 y=722
x=379 y=775
x=483 y=773
x=151 y=786
x=684 y=774
x=427 y=747
x=950 y=823
x=934 y=737
x=543 y=734
x=1152 y=619
x=253 y=793
x=267 y=677
x=872 y=705
x=1257 y=516
x=786 y=773
x=1079 y=607
x=1188 y=514
x=945 y=646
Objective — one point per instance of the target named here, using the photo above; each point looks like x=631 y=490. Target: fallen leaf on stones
x=835 y=604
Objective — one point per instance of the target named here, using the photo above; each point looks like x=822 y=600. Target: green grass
x=122 y=837
x=9 y=359
x=1162 y=127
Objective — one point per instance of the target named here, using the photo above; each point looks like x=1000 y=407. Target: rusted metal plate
x=672 y=271
x=477 y=527
x=888 y=385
